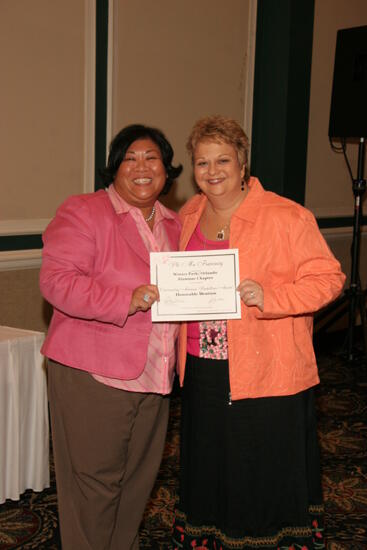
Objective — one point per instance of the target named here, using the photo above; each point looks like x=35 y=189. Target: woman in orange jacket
x=250 y=474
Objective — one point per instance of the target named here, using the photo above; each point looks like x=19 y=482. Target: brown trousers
x=108 y=445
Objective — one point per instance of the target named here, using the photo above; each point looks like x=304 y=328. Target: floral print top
x=207 y=339
x=213 y=342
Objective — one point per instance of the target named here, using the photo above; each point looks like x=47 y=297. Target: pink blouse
x=158 y=375
x=206 y=339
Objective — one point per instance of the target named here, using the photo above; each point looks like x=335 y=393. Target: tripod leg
x=351 y=324
x=362 y=311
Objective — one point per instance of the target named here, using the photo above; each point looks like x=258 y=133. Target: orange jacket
x=280 y=247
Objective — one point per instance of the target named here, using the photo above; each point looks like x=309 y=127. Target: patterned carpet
x=32 y=523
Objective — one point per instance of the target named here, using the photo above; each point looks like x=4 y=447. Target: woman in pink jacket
x=110 y=370
x=249 y=472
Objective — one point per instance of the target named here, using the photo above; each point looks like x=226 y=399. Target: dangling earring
x=243 y=184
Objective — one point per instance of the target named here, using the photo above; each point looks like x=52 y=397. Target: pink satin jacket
x=93 y=258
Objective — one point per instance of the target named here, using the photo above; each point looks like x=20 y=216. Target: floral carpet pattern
x=31 y=522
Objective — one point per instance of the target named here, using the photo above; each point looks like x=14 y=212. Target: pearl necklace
x=150 y=217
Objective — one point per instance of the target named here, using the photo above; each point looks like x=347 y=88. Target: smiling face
x=217 y=170
x=141 y=175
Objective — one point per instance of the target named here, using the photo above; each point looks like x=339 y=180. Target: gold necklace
x=221 y=232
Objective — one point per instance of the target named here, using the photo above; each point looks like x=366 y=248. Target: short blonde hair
x=220 y=129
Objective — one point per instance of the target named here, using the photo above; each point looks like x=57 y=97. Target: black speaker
x=348 y=111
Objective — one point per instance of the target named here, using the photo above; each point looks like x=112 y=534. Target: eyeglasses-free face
x=141 y=175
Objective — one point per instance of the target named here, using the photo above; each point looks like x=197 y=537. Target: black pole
x=101 y=90
x=356 y=296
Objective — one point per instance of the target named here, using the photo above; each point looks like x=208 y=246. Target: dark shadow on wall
x=46 y=313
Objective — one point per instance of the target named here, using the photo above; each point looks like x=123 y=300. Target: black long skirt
x=250 y=470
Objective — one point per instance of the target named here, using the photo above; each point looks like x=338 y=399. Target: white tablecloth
x=24 y=428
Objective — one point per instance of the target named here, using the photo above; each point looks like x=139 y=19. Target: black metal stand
x=354 y=298
x=357 y=298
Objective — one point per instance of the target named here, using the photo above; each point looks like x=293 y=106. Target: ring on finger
x=146 y=298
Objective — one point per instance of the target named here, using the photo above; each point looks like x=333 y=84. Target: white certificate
x=195 y=286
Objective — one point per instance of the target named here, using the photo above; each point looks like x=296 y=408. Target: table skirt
x=24 y=425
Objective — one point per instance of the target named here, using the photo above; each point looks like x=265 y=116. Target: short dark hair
x=122 y=141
